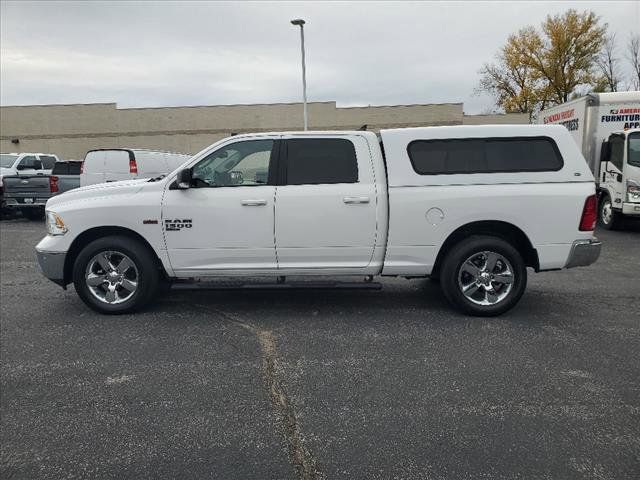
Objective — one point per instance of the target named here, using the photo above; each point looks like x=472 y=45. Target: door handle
x=253 y=203
x=351 y=200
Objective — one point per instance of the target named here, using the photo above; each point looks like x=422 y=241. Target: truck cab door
x=326 y=205
x=223 y=224
x=611 y=173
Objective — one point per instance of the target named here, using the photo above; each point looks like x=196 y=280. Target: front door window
x=237 y=164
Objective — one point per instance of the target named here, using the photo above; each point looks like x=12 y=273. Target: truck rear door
x=117 y=165
x=93 y=168
x=325 y=214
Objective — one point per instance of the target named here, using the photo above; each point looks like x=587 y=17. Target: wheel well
x=92 y=234
x=504 y=230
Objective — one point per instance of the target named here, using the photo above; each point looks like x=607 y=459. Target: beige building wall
x=70 y=130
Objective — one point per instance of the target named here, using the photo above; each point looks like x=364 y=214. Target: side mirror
x=184 y=179
x=619 y=178
x=21 y=166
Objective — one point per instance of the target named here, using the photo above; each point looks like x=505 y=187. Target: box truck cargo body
x=606 y=128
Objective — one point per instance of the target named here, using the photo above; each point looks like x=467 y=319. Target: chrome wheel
x=607 y=212
x=112 y=277
x=486 y=278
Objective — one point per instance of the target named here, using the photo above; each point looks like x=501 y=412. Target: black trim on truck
x=478 y=152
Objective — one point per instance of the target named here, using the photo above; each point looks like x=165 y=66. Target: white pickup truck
x=471 y=206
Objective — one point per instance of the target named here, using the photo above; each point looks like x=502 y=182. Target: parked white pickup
x=471 y=206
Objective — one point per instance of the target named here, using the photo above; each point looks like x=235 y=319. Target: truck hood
x=98 y=191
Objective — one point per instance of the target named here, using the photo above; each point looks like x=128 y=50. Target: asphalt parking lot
x=323 y=383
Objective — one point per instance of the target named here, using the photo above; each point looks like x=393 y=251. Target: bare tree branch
x=633 y=55
x=607 y=63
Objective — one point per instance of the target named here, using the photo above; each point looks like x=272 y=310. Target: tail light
x=133 y=167
x=81 y=168
x=589 y=214
x=53 y=184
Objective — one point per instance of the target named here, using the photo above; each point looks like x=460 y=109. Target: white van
x=113 y=164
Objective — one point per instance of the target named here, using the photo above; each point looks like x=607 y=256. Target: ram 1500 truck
x=471 y=206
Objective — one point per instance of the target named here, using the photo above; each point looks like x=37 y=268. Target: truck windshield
x=7 y=161
x=633 y=156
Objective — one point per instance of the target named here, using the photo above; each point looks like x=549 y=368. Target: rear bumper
x=52 y=266
x=18 y=202
x=584 y=252
x=629 y=208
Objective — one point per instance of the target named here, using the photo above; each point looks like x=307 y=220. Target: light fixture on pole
x=301 y=23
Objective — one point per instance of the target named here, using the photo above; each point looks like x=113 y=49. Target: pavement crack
x=302 y=459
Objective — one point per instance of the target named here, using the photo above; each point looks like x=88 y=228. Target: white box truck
x=606 y=127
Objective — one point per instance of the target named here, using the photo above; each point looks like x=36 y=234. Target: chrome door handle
x=355 y=199
x=253 y=203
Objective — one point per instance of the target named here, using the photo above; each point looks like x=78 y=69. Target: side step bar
x=275 y=286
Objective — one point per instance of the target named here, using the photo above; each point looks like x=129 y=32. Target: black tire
x=475 y=246
x=148 y=273
x=33 y=213
x=608 y=219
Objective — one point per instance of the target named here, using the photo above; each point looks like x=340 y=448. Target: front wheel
x=115 y=274
x=608 y=217
x=483 y=276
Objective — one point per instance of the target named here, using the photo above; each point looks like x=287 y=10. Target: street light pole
x=301 y=23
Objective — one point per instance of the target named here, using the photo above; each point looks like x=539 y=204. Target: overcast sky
x=148 y=54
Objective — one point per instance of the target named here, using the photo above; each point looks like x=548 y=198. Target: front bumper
x=629 y=208
x=52 y=266
x=584 y=252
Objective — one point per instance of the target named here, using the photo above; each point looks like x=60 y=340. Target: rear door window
x=313 y=161
x=47 y=161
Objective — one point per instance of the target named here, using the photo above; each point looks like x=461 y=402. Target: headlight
x=633 y=191
x=55 y=225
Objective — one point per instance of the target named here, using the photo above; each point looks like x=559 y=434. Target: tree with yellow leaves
x=538 y=68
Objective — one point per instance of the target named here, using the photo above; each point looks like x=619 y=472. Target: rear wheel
x=483 y=276
x=115 y=275
x=608 y=217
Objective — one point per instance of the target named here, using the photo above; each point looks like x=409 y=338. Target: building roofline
x=404 y=105
x=331 y=102
x=60 y=105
